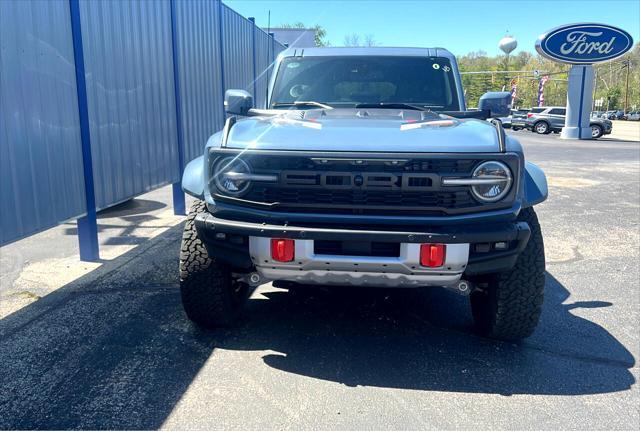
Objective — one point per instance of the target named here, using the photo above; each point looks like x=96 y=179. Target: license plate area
x=356 y=248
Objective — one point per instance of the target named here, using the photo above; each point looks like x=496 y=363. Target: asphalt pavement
x=111 y=348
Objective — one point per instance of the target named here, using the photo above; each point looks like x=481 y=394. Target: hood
x=364 y=130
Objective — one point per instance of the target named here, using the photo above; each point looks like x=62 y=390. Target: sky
x=459 y=26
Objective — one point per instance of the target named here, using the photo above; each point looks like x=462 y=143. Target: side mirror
x=238 y=102
x=496 y=103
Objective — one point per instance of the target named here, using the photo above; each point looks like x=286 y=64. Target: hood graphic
x=357 y=130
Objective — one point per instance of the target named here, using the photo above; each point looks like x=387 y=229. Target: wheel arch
x=535 y=185
x=193 y=178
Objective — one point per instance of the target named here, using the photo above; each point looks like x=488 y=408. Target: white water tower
x=507 y=44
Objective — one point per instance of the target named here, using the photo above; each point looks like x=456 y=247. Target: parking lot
x=108 y=345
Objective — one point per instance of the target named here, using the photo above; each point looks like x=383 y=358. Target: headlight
x=231 y=176
x=491 y=181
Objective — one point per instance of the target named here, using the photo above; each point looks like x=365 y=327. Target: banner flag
x=543 y=81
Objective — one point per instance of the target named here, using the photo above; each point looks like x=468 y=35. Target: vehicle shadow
x=423 y=340
x=131 y=207
x=115 y=350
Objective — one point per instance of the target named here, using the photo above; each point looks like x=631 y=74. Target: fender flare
x=535 y=185
x=193 y=178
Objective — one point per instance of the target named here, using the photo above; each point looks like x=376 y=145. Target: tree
x=369 y=40
x=354 y=40
x=491 y=77
x=320 y=36
x=613 y=97
x=320 y=32
x=611 y=81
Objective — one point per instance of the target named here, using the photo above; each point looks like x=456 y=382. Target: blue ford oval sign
x=584 y=43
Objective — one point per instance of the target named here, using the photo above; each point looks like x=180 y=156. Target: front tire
x=541 y=127
x=596 y=131
x=509 y=305
x=211 y=297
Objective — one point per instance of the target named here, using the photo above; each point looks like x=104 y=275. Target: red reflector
x=283 y=250
x=529 y=115
x=432 y=255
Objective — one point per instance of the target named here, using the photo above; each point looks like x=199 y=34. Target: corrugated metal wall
x=238 y=50
x=129 y=73
x=41 y=182
x=131 y=96
x=199 y=54
x=264 y=61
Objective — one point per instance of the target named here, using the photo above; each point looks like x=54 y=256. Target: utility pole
x=626 y=91
x=595 y=86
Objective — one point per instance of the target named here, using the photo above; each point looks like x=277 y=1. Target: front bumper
x=244 y=246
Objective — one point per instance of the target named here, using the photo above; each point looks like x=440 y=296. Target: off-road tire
x=509 y=304
x=210 y=295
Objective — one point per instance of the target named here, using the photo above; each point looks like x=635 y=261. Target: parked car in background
x=633 y=116
x=552 y=118
x=614 y=115
x=505 y=121
x=518 y=114
x=597 y=114
x=518 y=118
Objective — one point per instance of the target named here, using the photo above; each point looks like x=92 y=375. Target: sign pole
x=626 y=91
x=579 y=101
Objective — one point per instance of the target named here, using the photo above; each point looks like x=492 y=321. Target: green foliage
x=610 y=78
x=613 y=96
x=320 y=36
x=611 y=82
x=520 y=69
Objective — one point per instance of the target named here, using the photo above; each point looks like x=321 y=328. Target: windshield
x=344 y=81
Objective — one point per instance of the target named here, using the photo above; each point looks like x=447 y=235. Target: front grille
x=351 y=201
x=361 y=185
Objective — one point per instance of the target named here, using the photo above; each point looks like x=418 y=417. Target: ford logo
x=584 y=43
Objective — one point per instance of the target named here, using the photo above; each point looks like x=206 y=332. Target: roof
x=271 y=29
x=374 y=50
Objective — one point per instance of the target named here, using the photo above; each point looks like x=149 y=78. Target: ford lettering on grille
x=361 y=180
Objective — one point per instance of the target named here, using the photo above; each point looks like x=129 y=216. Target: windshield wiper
x=302 y=103
x=392 y=106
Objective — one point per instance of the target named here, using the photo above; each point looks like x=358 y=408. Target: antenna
x=269 y=48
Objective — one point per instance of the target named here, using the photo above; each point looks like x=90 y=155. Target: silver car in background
x=549 y=119
x=633 y=116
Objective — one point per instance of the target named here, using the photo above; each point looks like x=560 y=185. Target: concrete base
x=575 y=133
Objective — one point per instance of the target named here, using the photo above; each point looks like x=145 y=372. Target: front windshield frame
x=447 y=66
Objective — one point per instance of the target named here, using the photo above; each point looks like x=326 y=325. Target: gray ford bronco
x=365 y=168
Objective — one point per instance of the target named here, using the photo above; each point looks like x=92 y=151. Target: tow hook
x=253 y=279
x=462 y=287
